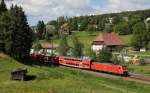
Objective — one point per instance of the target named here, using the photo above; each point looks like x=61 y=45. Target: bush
x=77 y=47
x=142 y=62
x=122 y=29
x=115 y=60
x=104 y=55
x=92 y=55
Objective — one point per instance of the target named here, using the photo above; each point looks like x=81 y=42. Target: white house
x=46 y=47
x=110 y=40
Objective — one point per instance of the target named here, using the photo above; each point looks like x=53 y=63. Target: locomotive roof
x=73 y=58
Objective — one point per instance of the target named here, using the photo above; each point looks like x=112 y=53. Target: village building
x=148 y=20
x=65 y=29
x=111 y=20
x=110 y=40
x=46 y=48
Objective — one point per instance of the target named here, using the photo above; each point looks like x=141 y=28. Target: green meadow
x=50 y=79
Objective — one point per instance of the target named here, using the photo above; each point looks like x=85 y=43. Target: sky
x=51 y=9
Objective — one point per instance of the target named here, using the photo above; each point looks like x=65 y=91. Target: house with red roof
x=110 y=40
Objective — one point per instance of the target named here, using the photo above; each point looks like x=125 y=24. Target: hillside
x=86 y=39
x=61 y=80
x=101 y=22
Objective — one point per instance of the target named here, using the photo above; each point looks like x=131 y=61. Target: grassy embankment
x=61 y=80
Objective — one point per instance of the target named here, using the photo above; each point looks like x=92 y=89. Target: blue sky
x=51 y=9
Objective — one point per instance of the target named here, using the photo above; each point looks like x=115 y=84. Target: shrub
x=92 y=55
x=115 y=60
x=104 y=55
x=142 y=62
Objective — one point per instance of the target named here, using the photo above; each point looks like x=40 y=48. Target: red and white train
x=83 y=63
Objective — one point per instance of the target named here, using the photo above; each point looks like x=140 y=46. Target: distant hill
x=99 y=22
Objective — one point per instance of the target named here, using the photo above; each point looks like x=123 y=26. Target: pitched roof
x=110 y=39
x=47 y=46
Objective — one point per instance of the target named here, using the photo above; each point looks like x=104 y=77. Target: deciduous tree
x=77 y=47
x=140 y=36
x=104 y=55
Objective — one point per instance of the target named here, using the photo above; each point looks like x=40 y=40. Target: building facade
x=110 y=40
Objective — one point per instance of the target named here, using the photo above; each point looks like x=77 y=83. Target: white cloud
x=51 y=9
x=122 y=5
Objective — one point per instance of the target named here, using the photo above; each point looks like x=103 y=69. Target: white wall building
x=110 y=40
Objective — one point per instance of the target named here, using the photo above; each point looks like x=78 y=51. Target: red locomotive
x=83 y=63
x=91 y=65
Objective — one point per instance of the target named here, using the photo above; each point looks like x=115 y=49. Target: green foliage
x=22 y=38
x=91 y=29
x=108 y=28
x=115 y=60
x=6 y=33
x=63 y=45
x=92 y=55
x=77 y=47
x=73 y=24
x=104 y=55
x=140 y=36
x=37 y=47
x=3 y=7
x=83 y=24
x=122 y=29
x=58 y=79
x=117 y=19
x=134 y=19
x=41 y=30
x=16 y=36
x=148 y=45
x=142 y=62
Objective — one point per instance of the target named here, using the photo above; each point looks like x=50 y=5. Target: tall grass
x=62 y=80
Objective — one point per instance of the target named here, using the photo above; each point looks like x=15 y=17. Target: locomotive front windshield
x=124 y=67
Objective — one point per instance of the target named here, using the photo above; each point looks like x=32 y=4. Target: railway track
x=139 y=77
x=133 y=77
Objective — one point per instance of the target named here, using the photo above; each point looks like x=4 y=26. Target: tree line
x=65 y=50
x=15 y=33
x=106 y=22
x=124 y=23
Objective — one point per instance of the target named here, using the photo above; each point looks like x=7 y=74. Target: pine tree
x=21 y=33
x=41 y=30
x=2 y=10
x=15 y=33
x=6 y=33
x=2 y=7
